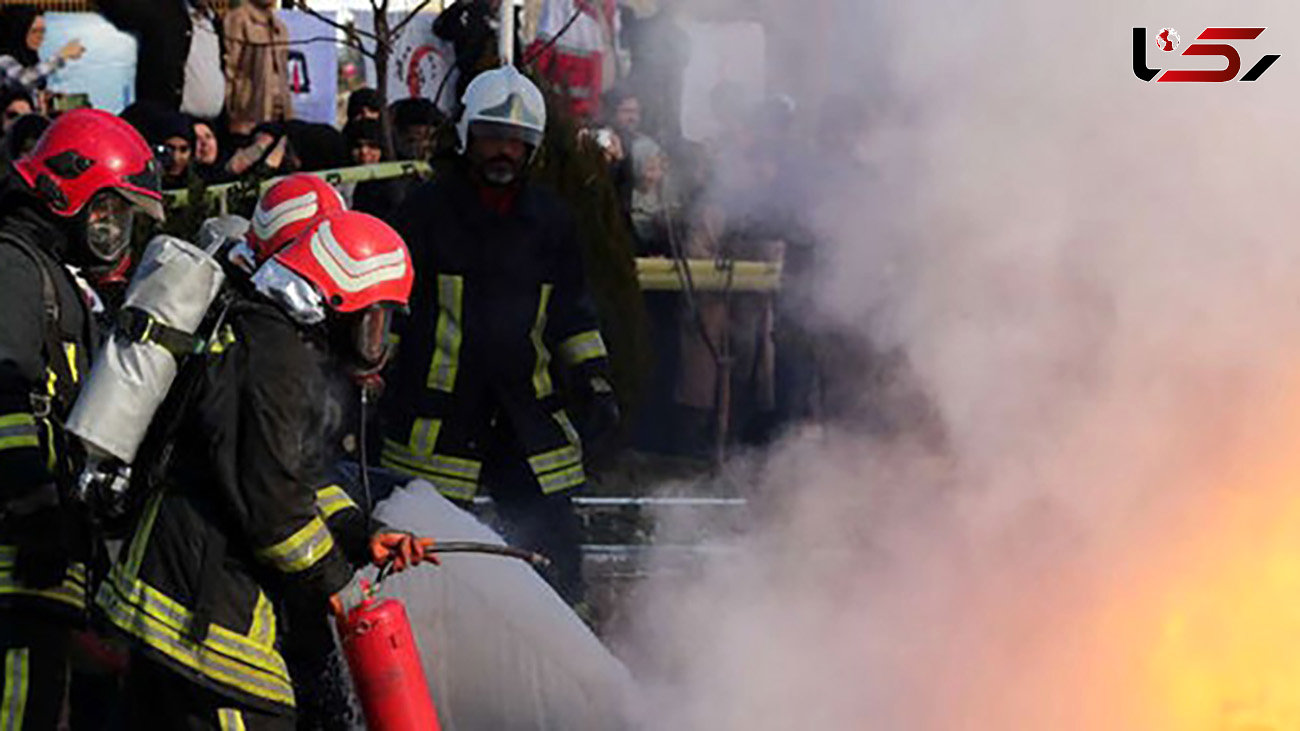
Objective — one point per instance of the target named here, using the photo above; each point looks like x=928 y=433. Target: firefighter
x=499 y=296
x=71 y=203
x=237 y=526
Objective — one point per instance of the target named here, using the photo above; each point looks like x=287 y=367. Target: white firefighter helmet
x=505 y=101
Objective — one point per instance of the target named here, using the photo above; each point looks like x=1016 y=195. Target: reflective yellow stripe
x=453 y=487
x=19 y=419
x=140 y=540
x=448 y=334
x=71 y=591
x=331 y=500
x=224 y=340
x=583 y=347
x=70 y=351
x=542 y=370
x=424 y=436
x=555 y=459
x=262 y=631
x=17 y=679
x=19 y=431
x=245 y=663
x=230 y=719
x=563 y=479
x=19 y=442
x=302 y=550
x=562 y=419
x=457 y=467
x=76 y=571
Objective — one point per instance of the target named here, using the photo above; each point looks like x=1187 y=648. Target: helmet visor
x=152 y=207
x=110 y=219
x=505 y=131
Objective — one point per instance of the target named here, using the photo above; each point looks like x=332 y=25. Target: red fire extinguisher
x=385 y=665
x=383 y=657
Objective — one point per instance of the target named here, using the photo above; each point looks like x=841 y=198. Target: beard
x=500 y=171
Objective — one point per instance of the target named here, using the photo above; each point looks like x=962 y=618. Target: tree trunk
x=383 y=49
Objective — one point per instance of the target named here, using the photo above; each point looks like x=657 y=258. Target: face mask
x=110 y=219
x=367 y=333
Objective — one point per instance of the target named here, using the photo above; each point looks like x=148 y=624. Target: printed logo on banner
x=299 y=73
x=1167 y=40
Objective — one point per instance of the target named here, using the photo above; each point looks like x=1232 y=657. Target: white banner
x=313 y=67
x=419 y=63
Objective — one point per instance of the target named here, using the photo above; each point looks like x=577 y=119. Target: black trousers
x=35 y=654
x=532 y=520
x=161 y=699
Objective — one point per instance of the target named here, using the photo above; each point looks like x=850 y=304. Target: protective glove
x=403 y=549
x=43 y=549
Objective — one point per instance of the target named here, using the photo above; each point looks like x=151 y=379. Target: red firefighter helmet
x=86 y=151
x=355 y=261
x=287 y=208
x=362 y=272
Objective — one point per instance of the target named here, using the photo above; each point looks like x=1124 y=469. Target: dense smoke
x=1095 y=282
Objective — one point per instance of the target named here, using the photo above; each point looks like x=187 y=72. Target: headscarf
x=14 y=24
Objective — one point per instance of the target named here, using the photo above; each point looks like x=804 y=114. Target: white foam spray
x=1096 y=281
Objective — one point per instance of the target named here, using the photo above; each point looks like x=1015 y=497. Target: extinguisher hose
x=531 y=557
x=491 y=549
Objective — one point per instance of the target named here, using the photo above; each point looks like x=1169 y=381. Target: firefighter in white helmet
x=499 y=299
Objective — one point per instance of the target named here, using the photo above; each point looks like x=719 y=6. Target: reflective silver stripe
x=542 y=369
x=583 y=347
x=18 y=431
x=302 y=550
x=458 y=467
x=555 y=459
x=450 y=486
x=258 y=652
x=225 y=656
x=447 y=336
x=424 y=436
x=331 y=500
x=563 y=479
x=13 y=707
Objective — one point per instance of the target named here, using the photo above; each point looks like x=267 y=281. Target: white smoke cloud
x=1096 y=283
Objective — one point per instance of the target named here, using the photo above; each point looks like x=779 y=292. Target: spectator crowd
x=211 y=96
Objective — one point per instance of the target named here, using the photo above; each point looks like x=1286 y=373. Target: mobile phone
x=67 y=102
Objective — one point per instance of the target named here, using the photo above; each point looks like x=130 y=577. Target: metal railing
x=654 y=274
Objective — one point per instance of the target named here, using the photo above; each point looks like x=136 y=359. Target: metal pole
x=506 y=40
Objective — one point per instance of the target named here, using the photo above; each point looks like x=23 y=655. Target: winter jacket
x=497 y=297
x=257 y=60
x=40 y=373
x=237 y=525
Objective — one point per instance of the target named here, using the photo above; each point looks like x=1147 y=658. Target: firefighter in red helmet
x=237 y=528
x=67 y=211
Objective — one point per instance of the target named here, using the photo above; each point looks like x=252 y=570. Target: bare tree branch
x=397 y=29
x=302 y=4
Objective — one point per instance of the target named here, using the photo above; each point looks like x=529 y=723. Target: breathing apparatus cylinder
x=169 y=295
